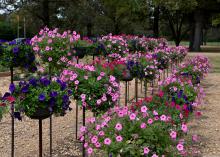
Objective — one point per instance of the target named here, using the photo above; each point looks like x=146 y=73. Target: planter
x=41 y=113
x=80 y=51
x=127 y=76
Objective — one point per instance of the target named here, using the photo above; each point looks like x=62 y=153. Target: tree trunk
x=89 y=29
x=156 y=22
x=198 y=16
x=192 y=32
x=46 y=14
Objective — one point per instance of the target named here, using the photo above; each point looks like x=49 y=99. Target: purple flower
x=12 y=87
x=45 y=81
x=53 y=94
x=25 y=89
x=33 y=82
x=41 y=97
x=15 y=50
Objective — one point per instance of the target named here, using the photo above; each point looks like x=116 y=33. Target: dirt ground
x=26 y=132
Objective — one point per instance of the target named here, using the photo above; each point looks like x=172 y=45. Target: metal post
x=136 y=89
x=152 y=86
x=12 y=130
x=84 y=124
x=40 y=139
x=51 y=137
x=126 y=92
x=76 y=119
x=145 y=88
x=12 y=119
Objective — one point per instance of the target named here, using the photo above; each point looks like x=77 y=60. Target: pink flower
x=82 y=129
x=50 y=59
x=94 y=139
x=132 y=116
x=180 y=147
x=107 y=141
x=76 y=82
x=119 y=138
x=83 y=96
x=97 y=145
x=143 y=125
x=144 y=109
x=163 y=118
x=150 y=121
x=47 y=48
x=89 y=150
x=86 y=77
x=85 y=145
x=49 y=41
x=173 y=134
x=118 y=126
x=184 y=128
x=101 y=133
x=154 y=155
x=98 y=102
x=102 y=74
x=99 y=78
x=146 y=150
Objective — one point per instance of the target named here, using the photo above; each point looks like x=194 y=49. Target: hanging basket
x=80 y=52
x=127 y=76
x=41 y=113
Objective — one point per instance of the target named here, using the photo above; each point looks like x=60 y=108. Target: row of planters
x=154 y=126
x=56 y=52
x=95 y=86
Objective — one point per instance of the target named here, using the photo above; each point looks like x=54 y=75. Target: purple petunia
x=41 y=97
x=12 y=87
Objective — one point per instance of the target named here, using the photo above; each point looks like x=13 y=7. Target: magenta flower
x=144 y=109
x=118 y=126
x=107 y=141
x=180 y=147
x=184 y=128
x=146 y=150
x=132 y=116
x=89 y=150
x=173 y=134
x=163 y=118
x=143 y=125
x=119 y=138
x=150 y=121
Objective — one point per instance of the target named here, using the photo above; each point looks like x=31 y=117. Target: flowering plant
x=133 y=131
x=92 y=89
x=50 y=45
x=189 y=72
x=18 y=55
x=177 y=53
x=39 y=98
x=161 y=55
x=115 y=45
x=179 y=91
x=5 y=101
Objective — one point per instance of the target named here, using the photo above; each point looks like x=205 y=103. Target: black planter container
x=41 y=113
x=127 y=76
x=80 y=51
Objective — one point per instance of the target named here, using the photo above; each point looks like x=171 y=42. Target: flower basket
x=127 y=76
x=80 y=52
x=40 y=98
x=40 y=113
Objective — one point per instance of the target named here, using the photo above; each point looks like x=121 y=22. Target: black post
x=51 y=123
x=12 y=119
x=136 y=89
x=152 y=85
x=51 y=137
x=40 y=139
x=145 y=89
x=126 y=92
x=84 y=124
x=77 y=108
